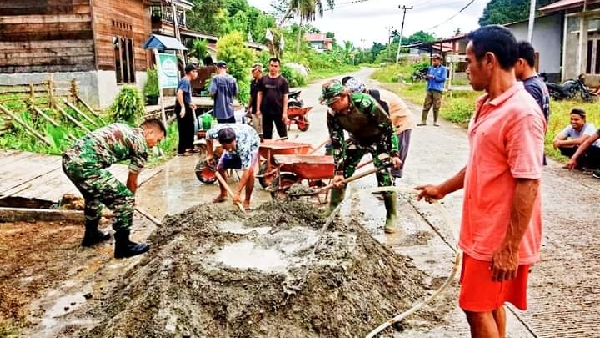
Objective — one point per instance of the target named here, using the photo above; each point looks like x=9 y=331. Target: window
x=124 y=63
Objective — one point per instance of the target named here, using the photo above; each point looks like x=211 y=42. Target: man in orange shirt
x=501 y=228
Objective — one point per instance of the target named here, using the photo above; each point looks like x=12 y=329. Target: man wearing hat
x=257 y=73
x=184 y=111
x=370 y=131
x=240 y=144
x=400 y=116
x=223 y=88
x=436 y=77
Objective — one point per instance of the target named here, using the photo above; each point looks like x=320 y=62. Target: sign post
x=168 y=76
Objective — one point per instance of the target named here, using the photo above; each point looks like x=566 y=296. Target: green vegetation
x=459 y=107
x=151 y=85
x=239 y=61
x=128 y=107
x=506 y=11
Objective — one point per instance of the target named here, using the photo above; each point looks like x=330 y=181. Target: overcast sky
x=363 y=23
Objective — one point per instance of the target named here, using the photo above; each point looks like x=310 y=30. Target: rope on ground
x=457 y=260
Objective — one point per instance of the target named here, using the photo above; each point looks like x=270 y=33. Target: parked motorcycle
x=294 y=100
x=569 y=89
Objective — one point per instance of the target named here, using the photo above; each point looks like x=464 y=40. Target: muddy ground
x=34 y=259
x=277 y=272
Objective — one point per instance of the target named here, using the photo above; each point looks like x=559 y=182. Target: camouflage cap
x=331 y=91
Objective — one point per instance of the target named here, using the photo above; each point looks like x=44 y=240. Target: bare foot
x=246 y=205
x=220 y=199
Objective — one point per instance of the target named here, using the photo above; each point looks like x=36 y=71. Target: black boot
x=125 y=248
x=92 y=235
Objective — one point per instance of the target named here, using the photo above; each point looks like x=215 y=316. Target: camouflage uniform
x=370 y=132
x=85 y=164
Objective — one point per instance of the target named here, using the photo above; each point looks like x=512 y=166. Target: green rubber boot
x=390 y=199
x=337 y=196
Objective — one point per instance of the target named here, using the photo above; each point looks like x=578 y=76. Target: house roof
x=163 y=42
x=526 y=20
x=565 y=4
x=446 y=46
x=313 y=37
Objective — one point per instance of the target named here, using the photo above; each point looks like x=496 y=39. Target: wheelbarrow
x=293 y=170
x=269 y=148
x=297 y=115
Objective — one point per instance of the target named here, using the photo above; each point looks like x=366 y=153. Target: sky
x=366 y=22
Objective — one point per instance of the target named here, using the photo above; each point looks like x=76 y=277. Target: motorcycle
x=294 y=100
x=569 y=89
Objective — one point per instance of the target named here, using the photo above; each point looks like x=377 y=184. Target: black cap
x=190 y=67
x=221 y=64
x=226 y=135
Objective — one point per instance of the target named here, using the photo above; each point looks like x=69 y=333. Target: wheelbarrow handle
x=350 y=179
x=314 y=150
x=224 y=183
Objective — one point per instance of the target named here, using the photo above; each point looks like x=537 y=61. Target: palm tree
x=306 y=9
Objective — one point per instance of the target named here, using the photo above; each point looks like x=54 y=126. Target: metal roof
x=565 y=4
x=163 y=42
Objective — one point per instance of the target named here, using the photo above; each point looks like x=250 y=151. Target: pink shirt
x=506 y=138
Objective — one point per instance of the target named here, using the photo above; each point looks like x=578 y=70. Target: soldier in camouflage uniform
x=370 y=131
x=85 y=164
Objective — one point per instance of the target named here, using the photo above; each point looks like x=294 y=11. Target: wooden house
x=99 y=43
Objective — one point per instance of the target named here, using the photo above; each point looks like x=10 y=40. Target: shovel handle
x=224 y=183
x=350 y=179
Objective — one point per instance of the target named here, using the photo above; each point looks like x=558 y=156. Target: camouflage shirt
x=108 y=145
x=368 y=125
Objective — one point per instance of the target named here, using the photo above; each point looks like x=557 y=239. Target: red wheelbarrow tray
x=270 y=147
x=310 y=167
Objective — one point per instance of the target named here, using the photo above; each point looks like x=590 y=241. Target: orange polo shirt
x=506 y=138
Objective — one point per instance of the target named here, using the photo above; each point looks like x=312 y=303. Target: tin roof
x=565 y=4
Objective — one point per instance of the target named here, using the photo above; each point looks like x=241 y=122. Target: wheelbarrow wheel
x=264 y=181
x=285 y=180
x=204 y=172
x=303 y=126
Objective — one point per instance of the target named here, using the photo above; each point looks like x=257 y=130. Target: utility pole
x=389 y=29
x=404 y=9
x=531 y=21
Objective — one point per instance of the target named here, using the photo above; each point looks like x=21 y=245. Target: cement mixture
x=272 y=273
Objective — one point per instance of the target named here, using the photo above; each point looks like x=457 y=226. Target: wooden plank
x=84 y=33
x=46 y=19
x=47 y=68
x=25 y=125
x=47 y=44
x=47 y=117
x=80 y=113
x=57 y=60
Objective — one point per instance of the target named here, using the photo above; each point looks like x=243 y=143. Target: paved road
x=564 y=287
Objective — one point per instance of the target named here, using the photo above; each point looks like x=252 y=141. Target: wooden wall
x=123 y=18
x=46 y=36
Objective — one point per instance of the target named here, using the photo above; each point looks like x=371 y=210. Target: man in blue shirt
x=223 y=88
x=436 y=77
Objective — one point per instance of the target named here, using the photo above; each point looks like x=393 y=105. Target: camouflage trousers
x=354 y=154
x=99 y=186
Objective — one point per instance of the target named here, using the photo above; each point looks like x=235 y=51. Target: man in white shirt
x=575 y=134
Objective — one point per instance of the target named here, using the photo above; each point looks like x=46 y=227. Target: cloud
x=367 y=22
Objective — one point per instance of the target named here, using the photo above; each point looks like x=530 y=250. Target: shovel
x=224 y=183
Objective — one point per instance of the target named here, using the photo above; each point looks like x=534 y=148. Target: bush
x=294 y=77
x=231 y=50
x=128 y=107
x=151 y=85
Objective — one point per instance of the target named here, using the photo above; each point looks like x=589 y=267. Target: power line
x=452 y=17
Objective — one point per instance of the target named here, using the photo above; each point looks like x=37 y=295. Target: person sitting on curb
x=85 y=164
x=400 y=116
x=370 y=131
x=590 y=149
x=575 y=134
x=240 y=142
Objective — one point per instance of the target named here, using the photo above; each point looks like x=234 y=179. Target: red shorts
x=478 y=293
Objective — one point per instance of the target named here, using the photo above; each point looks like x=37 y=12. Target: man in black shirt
x=533 y=83
x=257 y=70
x=272 y=101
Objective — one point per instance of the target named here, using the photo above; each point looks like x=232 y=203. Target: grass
x=460 y=107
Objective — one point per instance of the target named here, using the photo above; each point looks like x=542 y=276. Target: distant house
x=546 y=40
x=319 y=41
x=98 y=43
x=576 y=24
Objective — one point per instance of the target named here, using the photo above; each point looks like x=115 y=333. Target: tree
x=506 y=11
x=202 y=17
x=307 y=10
x=419 y=36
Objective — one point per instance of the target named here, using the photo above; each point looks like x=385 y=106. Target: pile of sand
x=271 y=273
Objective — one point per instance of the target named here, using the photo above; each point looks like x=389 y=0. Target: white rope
x=457 y=260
